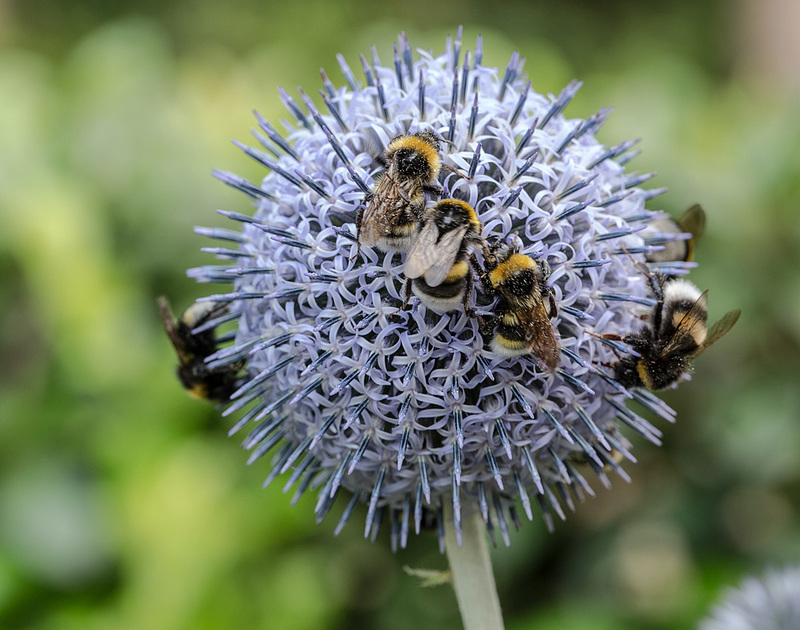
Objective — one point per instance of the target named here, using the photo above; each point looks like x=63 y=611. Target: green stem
x=471 y=569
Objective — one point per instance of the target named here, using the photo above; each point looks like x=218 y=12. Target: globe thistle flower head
x=771 y=602
x=409 y=410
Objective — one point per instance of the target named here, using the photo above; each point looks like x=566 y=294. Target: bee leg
x=486 y=326
x=473 y=262
x=406 y=292
x=642 y=267
x=657 y=281
x=432 y=189
x=482 y=275
x=453 y=169
x=406 y=297
x=553 y=310
x=610 y=337
x=468 y=298
x=654 y=279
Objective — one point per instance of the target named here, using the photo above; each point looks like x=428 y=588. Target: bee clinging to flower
x=521 y=320
x=678 y=237
x=436 y=265
x=395 y=205
x=676 y=333
x=194 y=342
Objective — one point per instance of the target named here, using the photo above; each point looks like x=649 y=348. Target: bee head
x=452 y=213
x=411 y=163
x=415 y=156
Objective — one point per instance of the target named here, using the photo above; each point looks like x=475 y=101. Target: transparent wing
x=382 y=208
x=683 y=331
x=693 y=221
x=171 y=328
x=541 y=335
x=719 y=330
x=423 y=251
x=446 y=251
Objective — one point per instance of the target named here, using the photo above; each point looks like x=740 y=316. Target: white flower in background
x=770 y=602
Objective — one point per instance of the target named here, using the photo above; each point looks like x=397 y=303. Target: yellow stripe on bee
x=505 y=270
x=198 y=391
x=509 y=347
x=473 y=218
x=457 y=271
x=644 y=375
x=404 y=229
x=420 y=146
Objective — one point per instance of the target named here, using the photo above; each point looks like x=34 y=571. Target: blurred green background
x=122 y=502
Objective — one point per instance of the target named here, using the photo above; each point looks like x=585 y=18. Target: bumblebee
x=393 y=209
x=521 y=322
x=675 y=334
x=693 y=222
x=608 y=458
x=436 y=267
x=201 y=382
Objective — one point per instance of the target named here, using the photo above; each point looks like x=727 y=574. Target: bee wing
x=542 y=335
x=445 y=254
x=386 y=203
x=683 y=331
x=422 y=253
x=693 y=221
x=719 y=330
x=372 y=227
x=171 y=327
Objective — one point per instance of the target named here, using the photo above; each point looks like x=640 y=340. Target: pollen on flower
x=409 y=410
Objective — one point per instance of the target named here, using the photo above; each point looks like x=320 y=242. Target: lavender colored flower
x=408 y=410
x=771 y=602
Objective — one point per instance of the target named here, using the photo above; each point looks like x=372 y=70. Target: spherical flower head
x=771 y=602
x=409 y=410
